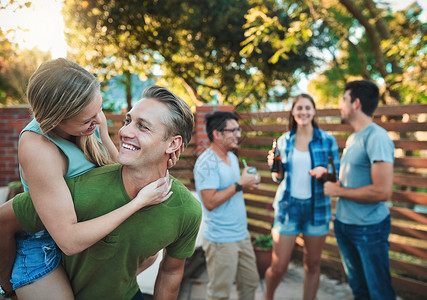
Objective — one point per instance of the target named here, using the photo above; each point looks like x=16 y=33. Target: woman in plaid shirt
x=300 y=205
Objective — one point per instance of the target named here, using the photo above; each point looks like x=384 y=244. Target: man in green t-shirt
x=155 y=127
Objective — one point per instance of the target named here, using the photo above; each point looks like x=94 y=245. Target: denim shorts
x=36 y=256
x=296 y=219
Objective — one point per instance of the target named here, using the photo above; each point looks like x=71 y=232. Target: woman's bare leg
x=282 y=251
x=53 y=286
x=313 y=246
x=8 y=227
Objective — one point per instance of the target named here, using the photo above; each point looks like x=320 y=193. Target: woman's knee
x=312 y=265
x=279 y=268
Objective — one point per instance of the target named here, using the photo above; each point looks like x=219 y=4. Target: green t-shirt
x=107 y=270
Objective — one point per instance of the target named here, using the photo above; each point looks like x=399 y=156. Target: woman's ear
x=174 y=144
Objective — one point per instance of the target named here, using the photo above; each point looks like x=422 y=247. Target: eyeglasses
x=234 y=130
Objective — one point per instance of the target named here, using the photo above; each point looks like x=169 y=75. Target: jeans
x=138 y=296
x=297 y=218
x=36 y=256
x=364 y=252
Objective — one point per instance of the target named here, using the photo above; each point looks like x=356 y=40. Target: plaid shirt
x=320 y=147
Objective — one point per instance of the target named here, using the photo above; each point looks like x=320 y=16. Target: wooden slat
x=408 y=284
x=398 y=110
x=181 y=174
x=394 y=263
x=411 y=268
x=399 y=144
x=260 y=192
x=409 y=232
x=410 y=145
x=258 y=229
x=185 y=163
x=262 y=217
x=253 y=153
x=257 y=141
x=263 y=115
x=388 y=110
x=407 y=214
x=409 y=250
x=403 y=127
x=115 y=117
x=410 y=180
x=409 y=197
x=408 y=162
x=258 y=204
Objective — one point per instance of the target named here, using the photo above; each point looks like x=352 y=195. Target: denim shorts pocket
x=105 y=248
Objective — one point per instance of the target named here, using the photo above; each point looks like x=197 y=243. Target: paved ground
x=289 y=289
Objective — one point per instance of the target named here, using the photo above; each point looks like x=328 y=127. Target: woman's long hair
x=60 y=89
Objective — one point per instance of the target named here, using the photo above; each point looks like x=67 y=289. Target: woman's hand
x=270 y=158
x=318 y=172
x=103 y=126
x=174 y=157
x=154 y=193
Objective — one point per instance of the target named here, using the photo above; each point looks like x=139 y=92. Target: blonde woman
x=63 y=141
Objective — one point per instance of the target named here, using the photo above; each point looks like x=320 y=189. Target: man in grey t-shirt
x=362 y=221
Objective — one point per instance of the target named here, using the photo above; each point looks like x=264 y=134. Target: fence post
x=202 y=140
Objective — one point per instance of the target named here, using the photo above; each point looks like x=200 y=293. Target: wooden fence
x=407 y=126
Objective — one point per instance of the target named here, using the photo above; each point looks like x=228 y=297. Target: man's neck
x=134 y=179
x=361 y=122
x=220 y=151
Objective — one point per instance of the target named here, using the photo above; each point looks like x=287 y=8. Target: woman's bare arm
x=44 y=171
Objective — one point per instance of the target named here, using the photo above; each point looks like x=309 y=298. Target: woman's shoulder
x=325 y=135
x=34 y=140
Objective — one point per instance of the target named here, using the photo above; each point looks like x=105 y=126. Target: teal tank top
x=77 y=162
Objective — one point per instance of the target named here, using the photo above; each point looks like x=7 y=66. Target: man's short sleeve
x=26 y=213
x=380 y=147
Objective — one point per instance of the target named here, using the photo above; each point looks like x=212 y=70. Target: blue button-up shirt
x=320 y=148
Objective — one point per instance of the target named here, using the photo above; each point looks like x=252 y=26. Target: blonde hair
x=60 y=89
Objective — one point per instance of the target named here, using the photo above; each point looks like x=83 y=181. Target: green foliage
x=16 y=67
x=197 y=45
x=263 y=241
x=398 y=38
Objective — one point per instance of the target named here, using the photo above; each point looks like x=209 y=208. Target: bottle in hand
x=277 y=166
x=331 y=175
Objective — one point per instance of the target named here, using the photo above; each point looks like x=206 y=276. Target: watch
x=7 y=294
x=238 y=187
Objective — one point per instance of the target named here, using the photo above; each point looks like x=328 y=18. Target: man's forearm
x=167 y=286
x=365 y=194
x=169 y=278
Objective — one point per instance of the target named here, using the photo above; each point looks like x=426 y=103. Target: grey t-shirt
x=372 y=144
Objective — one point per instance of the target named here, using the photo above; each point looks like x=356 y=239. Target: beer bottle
x=332 y=172
x=277 y=166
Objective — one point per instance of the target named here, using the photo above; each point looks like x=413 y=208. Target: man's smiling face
x=142 y=137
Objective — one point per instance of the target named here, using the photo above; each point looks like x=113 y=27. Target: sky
x=46 y=26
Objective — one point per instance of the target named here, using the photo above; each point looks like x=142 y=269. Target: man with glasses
x=226 y=241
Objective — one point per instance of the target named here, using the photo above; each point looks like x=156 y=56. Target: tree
x=365 y=40
x=196 y=44
x=16 y=67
